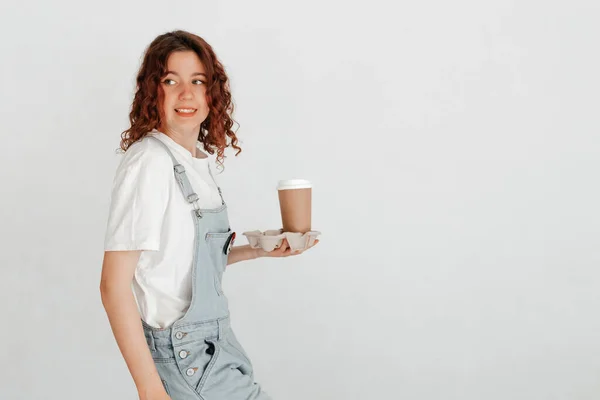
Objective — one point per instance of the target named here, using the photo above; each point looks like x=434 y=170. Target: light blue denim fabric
x=199 y=357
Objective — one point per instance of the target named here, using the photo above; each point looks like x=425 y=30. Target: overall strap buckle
x=193 y=198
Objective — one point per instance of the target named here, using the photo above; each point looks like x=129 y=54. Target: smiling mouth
x=186 y=110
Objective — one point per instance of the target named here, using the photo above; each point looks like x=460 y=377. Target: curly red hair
x=145 y=115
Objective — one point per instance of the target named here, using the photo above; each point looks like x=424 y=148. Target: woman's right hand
x=284 y=250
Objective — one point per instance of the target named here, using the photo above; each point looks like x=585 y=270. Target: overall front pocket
x=216 y=242
x=185 y=374
x=212 y=354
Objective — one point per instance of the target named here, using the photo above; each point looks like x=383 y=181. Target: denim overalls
x=199 y=357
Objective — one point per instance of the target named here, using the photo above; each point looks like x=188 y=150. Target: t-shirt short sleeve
x=139 y=199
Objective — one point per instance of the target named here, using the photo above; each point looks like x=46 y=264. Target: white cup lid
x=294 y=184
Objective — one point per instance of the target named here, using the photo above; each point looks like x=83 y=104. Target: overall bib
x=199 y=357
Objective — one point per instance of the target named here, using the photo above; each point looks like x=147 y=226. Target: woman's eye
x=196 y=81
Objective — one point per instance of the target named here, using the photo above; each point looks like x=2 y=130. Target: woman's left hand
x=283 y=251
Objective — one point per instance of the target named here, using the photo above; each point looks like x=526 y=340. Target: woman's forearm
x=125 y=322
x=242 y=253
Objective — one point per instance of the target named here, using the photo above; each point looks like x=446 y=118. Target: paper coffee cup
x=295 y=198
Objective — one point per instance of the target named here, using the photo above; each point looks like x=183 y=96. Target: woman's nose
x=186 y=92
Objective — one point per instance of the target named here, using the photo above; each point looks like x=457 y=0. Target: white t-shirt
x=149 y=212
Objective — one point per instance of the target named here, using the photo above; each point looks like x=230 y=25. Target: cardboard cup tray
x=272 y=239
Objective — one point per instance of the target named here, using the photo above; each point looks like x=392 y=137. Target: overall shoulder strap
x=182 y=179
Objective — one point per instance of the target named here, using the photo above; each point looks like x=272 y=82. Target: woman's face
x=184 y=88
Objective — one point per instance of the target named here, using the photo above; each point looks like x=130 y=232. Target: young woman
x=168 y=234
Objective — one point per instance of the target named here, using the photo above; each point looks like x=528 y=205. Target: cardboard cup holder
x=272 y=239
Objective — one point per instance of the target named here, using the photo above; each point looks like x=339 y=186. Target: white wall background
x=454 y=151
